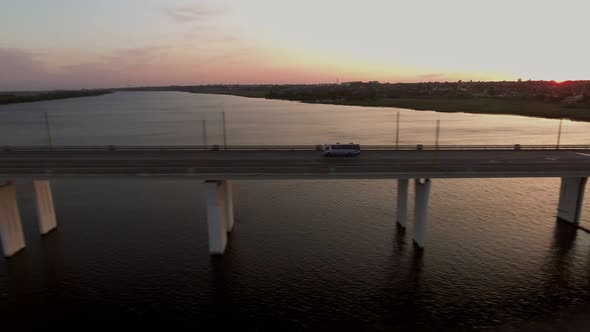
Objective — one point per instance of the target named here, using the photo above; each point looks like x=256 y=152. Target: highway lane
x=285 y=164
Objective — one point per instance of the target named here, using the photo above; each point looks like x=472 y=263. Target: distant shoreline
x=29 y=97
x=541 y=99
x=445 y=103
x=473 y=105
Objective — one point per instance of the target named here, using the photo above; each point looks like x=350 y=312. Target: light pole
x=559 y=132
x=437 y=133
x=224 y=131
x=47 y=125
x=205 y=133
x=397 y=132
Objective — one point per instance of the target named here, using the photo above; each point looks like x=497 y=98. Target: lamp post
x=559 y=132
x=437 y=133
x=224 y=131
x=47 y=125
x=397 y=132
x=205 y=133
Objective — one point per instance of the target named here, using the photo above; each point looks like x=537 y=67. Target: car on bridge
x=338 y=149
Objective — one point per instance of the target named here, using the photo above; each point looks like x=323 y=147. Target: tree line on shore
x=25 y=97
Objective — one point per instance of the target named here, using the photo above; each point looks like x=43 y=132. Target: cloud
x=136 y=55
x=231 y=56
x=226 y=39
x=431 y=77
x=194 y=13
x=140 y=51
x=121 y=67
x=20 y=70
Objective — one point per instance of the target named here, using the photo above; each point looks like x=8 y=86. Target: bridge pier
x=11 y=231
x=571 y=196
x=229 y=205
x=219 y=213
x=421 y=211
x=44 y=205
x=402 y=202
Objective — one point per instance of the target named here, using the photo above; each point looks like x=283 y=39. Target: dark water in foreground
x=315 y=254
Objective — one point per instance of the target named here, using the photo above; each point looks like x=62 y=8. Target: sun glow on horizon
x=154 y=42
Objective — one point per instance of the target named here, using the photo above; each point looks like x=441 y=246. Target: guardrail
x=418 y=147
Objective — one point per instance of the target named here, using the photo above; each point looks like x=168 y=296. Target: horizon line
x=287 y=84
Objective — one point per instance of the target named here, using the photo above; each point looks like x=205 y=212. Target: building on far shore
x=352 y=83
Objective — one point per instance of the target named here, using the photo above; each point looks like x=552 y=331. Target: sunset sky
x=111 y=43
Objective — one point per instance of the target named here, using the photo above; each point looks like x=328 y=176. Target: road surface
x=296 y=164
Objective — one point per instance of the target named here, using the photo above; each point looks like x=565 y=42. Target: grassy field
x=465 y=105
x=481 y=105
x=29 y=97
x=245 y=93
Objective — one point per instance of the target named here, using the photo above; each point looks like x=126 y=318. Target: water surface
x=318 y=254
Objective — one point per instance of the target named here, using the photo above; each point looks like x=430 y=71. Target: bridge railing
x=417 y=147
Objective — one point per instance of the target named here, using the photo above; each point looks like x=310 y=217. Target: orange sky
x=78 y=44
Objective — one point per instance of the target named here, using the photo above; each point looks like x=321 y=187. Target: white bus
x=338 y=149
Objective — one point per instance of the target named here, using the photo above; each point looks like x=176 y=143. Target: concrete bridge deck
x=219 y=166
x=284 y=164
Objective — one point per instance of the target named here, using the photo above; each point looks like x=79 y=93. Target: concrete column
x=421 y=211
x=402 y=202
x=44 y=204
x=11 y=231
x=216 y=216
x=571 y=197
x=229 y=205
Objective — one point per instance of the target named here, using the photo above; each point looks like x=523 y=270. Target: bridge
x=217 y=166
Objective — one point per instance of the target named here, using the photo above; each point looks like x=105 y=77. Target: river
x=318 y=254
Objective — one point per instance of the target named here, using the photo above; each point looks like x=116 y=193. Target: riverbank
x=541 y=99
x=477 y=105
x=530 y=108
x=516 y=98
x=28 y=97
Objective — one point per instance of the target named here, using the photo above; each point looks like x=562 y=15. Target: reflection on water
x=320 y=254
x=152 y=118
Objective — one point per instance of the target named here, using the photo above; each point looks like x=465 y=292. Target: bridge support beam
x=421 y=211
x=11 y=231
x=44 y=204
x=402 y=202
x=571 y=197
x=219 y=214
x=229 y=204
